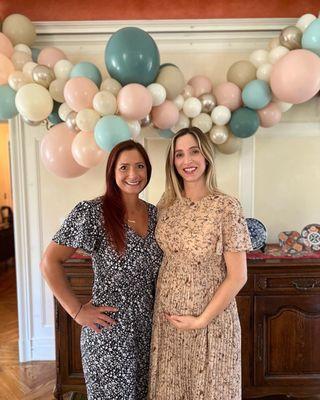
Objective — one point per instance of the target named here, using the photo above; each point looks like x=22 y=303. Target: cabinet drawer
x=289 y=283
x=80 y=282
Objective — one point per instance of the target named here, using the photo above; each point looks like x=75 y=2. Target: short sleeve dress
x=202 y=364
x=116 y=361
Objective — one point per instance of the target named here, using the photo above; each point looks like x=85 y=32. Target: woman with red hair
x=117 y=230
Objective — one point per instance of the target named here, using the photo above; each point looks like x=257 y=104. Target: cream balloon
x=231 y=145
x=19 y=29
x=203 y=122
x=219 y=134
x=158 y=93
x=304 y=21
x=178 y=101
x=19 y=59
x=17 y=79
x=221 y=115
x=275 y=42
x=56 y=89
x=23 y=47
x=241 y=72
x=71 y=122
x=62 y=69
x=259 y=57
x=183 y=122
x=28 y=68
x=86 y=119
x=85 y=150
x=42 y=75
x=264 y=72
x=105 y=103
x=63 y=111
x=277 y=53
x=172 y=79
x=192 y=107
x=284 y=106
x=135 y=128
x=111 y=85
x=34 y=102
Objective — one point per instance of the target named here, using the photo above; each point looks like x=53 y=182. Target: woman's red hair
x=113 y=206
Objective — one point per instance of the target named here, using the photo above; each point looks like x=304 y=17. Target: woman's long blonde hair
x=174 y=182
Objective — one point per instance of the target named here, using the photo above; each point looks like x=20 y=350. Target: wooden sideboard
x=279 y=310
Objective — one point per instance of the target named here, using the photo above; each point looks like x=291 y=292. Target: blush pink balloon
x=6 y=47
x=228 y=94
x=85 y=150
x=295 y=78
x=49 y=56
x=6 y=68
x=134 y=101
x=269 y=115
x=79 y=93
x=166 y=115
x=201 y=85
x=56 y=155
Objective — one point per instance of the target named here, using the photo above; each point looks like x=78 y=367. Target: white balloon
x=19 y=59
x=305 y=21
x=219 y=134
x=203 y=122
x=28 y=68
x=221 y=115
x=158 y=93
x=188 y=91
x=105 y=103
x=111 y=85
x=275 y=42
x=192 y=107
x=86 y=119
x=282 y=104
x=34 y=102
x=277 y=53
x=23 y=47
x=183 y=122
x=259 y=57
x=178 y=101
x=63 y=111
x=134 y=127
x=17 y=79
x=62 y=69
x=264 y=72
x=56 y=89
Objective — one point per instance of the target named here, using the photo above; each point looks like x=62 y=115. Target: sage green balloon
x=132 y=56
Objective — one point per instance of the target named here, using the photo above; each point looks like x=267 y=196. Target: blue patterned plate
x=258 y=233
x=311 y=235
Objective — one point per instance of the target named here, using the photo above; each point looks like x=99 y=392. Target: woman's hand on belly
x=186 y=322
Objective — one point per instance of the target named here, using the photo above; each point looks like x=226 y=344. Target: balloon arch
x=89 y=115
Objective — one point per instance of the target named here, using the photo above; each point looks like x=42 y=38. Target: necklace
x=132 y=221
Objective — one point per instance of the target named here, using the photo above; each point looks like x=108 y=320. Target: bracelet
x=78 y=312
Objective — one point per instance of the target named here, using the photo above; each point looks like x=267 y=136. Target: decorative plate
x=291 y=242
x=311 y=235
x=258 y=233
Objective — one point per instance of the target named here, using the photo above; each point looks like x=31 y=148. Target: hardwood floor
x=27 y=381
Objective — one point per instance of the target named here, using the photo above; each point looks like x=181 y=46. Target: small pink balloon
x=228 y=94
x=6 y=68
x=201 y=85
x=166 y=115
x=269 y=115
x=85 y=150
x=49 y=56
x=56 y=155
x=79 y=93
x=295 y=78
x=134 y=101
x=6 y=47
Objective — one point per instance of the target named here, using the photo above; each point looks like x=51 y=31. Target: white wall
x=261 y=174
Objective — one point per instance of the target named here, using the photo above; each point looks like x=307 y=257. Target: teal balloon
x=256 y=94
x=35 y=53
x=132 y=56
x=8 y=107
x=311 y=37
x=54 y=116
x=87 y=70
x=167 y=134
x=244 y=122
x=111 y=130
